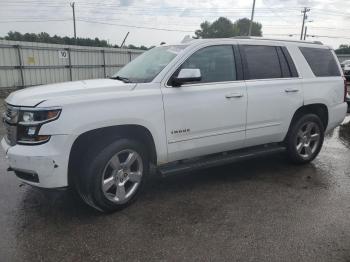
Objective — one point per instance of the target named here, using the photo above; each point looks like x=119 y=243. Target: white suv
x=175 y=108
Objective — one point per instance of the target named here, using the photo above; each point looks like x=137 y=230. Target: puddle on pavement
x=344 y=133
x=340 y=136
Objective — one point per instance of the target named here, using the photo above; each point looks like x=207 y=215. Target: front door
x=208 y=116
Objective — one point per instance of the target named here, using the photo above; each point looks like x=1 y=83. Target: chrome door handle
x=234 y=95
x=291 y=90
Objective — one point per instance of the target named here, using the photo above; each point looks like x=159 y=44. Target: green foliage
x=46 y=38
x=343 y=49
x=136 y=47
x=220 y=28
x=241 y=27
x=223 y=27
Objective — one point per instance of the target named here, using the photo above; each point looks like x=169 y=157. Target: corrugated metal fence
x=25 y=64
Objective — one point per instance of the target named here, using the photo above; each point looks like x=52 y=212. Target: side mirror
x=187 y=75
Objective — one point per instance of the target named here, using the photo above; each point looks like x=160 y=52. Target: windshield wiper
x=121 y=78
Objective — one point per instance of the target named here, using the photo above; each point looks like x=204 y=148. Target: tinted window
x=216 y=63
x=261 y=62
x=321 y=61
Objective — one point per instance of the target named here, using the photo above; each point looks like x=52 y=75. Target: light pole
x=304 y=19
x=251 y=19
x=305 y=31
x=75 y=30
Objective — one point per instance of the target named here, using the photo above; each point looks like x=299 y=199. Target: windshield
x=147 y=66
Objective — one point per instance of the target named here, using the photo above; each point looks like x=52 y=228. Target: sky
x=151 y=22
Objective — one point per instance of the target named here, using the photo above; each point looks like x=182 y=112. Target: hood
x=33 y=96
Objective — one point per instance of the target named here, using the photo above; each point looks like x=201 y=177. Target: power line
x=33 y=21
x=134 y=26
x=108 y=6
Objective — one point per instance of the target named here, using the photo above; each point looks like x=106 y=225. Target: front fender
x=143 y=108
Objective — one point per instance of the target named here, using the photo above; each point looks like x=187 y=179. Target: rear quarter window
x=321 y=61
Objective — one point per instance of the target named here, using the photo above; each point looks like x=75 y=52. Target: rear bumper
x=337 y=115
x=43 y=165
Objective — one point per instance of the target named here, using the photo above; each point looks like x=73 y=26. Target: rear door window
x=262 y=62
x=321 y=61
x=266 y=62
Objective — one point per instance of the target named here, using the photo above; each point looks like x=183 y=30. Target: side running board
x=189 y=165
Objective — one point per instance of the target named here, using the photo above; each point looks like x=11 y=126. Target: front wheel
x=305 y=139
x=112 y=177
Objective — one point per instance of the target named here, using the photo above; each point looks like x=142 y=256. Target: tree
x=241 y=27
x=343 y=49
x=131 y=46
x=223 y=27
x=46 y=38
x=220 y=28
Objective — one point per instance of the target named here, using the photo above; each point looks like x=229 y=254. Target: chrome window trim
x=183 y=59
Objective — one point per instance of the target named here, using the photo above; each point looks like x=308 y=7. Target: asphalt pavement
x=263 y=209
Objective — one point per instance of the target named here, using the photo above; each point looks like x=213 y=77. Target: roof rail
x=282 y=40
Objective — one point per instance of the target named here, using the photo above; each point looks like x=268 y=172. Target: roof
x=279 y=40
x=253 y=39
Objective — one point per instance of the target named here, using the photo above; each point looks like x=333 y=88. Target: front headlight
x=30 y=121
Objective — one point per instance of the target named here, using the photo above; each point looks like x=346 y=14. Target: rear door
x=274 y=92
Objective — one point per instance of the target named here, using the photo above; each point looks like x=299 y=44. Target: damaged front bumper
x=43 y=165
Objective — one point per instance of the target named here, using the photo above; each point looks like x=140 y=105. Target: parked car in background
x=345 y=65
x=348 y=99
x=175 y=108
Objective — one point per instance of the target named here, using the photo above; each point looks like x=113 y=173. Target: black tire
x=93 y=168
x=293 y=139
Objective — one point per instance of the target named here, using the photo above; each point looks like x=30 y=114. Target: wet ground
x=260 y=210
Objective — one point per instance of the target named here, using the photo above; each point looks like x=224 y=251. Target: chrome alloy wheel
x=122 y=176
x=308 y=139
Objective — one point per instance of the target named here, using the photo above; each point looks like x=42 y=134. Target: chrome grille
x=10 y=121
x=11 y=114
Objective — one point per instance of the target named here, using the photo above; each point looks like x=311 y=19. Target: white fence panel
x=24 y=64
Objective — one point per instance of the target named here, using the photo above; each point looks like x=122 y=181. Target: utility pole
x=305 y=32
x=251 y=19
x=75 y=30
x=304 y=19
x=124 y=40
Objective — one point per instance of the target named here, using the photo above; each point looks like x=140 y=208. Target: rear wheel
x=305 y=139
x=112 y=177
